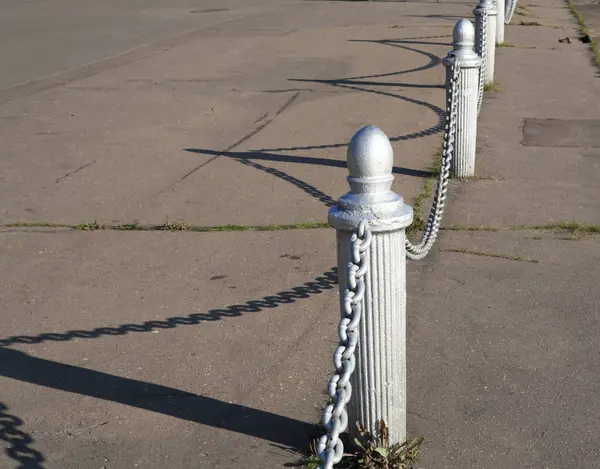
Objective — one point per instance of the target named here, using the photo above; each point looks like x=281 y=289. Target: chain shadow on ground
x=248 y=157
x=325 y=282
x=20 y=449
x=164 y=400
x=278 y=429
x=357 y=83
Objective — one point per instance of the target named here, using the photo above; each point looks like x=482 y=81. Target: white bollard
x=463 y=55
x=500 y=8
x=379 y=380
x=485 y=16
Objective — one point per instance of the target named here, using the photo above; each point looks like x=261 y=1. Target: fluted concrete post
x=379 y=381
x=486 y=9
x=463 y=54
x=500 y=7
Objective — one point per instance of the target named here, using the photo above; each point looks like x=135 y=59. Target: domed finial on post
x=463 y=35
x=463 y=45
x=370 y=161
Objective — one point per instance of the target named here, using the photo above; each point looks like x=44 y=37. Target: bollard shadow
x=164 y=400
x=247 y=158
x=19 y=443
x=441 y=17
x=401 y=42
x=360 y=83
x=321 y=284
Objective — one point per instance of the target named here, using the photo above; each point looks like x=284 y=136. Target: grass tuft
x=491 y=87
x=35 y=224
x=420 y=200
x=135 y=226
x=172 y=226
x=167 y=226
x=529 y=23
x=570 y=226
x=505 y=44
x=93 y=226
x=584 y=30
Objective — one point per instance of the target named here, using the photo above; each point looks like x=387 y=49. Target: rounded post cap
x=370 y=161
x=463 y=34
x=370 y=154
x=463 y=46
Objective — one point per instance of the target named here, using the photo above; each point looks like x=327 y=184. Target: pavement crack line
x=246 y=137
x=573 y=227
x=70 y=173
x=490 y=254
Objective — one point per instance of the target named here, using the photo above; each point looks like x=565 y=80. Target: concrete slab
x=115 y=147
x=502 y=354
x=179 y=349
x=44 y=38
x=561 y=132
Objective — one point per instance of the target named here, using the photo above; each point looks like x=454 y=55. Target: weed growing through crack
x=311 y=460
x=167 y=226
x=374 y=452
x=573 y=227
x=505 y=44
x=419 y=201
x=89 y=226
x=529 y=23
x=584 y=30
x=36 y=224
x=135 y=226
x=491 y=87
x=172 y=226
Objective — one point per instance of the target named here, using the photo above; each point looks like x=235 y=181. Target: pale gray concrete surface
x=40 y=37
x=503 y=356
x=150 y=140
x=216 y=356
x=186 y=350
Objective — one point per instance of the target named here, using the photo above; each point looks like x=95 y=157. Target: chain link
x=509 y=11
x=482 y=52
x=419 y=251
x=335 y=417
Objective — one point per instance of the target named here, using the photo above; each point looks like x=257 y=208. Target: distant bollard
x=500 y=9
x=509 y=10
x=485 y=36
x=464 y=57
x=379 y=380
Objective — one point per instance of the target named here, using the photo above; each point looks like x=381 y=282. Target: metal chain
x=483 y=45
x=419 y=251
x=509 y=11
x=335 y=417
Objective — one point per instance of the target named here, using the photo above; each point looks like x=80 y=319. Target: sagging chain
x=419 y=251
x=482 y=52
x=510 y=11
x=330 y=448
